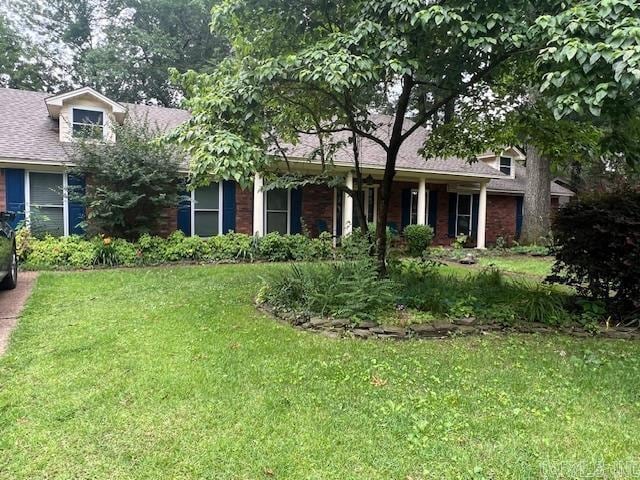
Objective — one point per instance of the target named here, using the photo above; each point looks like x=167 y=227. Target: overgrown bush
x=598 y=250
x=131 y=181
x=418 y=238
x=358 y=245
x=349 y=289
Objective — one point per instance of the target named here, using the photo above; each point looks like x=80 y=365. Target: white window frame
x=194 y=209
x=510 y=164
x=65 y=198
x=266 y=225
x=426 y=206
x=470 y=195
x=91 y=109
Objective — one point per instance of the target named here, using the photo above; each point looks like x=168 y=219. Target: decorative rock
x=465 y=321
x=394 y=331
x=361 y=333
x=339 y=322
x=445 y=327
x=367 y=324
x=319 y=322
x=378 y=330
x=469 y=259
x=466 y=329
x=616 y=334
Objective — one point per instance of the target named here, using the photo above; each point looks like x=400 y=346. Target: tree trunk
x=537 y=198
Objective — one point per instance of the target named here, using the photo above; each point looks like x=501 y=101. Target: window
x=505 y=165
x=277 y=210
x=206 y=210
x=413 y=218
x=46 y=203
x=369 y=203
x=88 y=123
x=463 y=217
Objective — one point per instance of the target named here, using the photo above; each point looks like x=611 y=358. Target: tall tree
x=20 y=66
x=319 y=67
x=124 y=48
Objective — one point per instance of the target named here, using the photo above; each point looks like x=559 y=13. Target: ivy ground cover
x=171 y=373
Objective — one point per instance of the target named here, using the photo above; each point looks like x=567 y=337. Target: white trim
x=288 y=211
x=90 y=109
x=194 y=209
x=65 y=198
x=334 y=222
x=512 y=167
x=405 y=170
x=426 y=208
x=57 y=100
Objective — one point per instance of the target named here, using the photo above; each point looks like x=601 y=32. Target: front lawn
x=171 y=373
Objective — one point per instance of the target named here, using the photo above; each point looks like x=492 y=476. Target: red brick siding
x=244 y=210
x=317 y=204
x=168 y=222
x=3 y=196
x=501 y=218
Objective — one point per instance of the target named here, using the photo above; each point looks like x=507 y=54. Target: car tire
x=11 y=280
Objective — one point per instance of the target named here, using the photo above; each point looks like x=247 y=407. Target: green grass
x=171 y=373
x=539 y=266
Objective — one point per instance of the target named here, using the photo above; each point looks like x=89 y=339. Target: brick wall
x=244 y=210
x=168 y=222
x=501 y=218
x=317 y=204
x=3 y=196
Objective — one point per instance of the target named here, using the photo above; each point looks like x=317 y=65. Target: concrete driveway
x=11 y=303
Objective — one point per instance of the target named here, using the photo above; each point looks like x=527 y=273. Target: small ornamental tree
x=598 y=250
x=129 y=182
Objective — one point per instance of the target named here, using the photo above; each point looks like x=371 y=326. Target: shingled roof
x=29 y=134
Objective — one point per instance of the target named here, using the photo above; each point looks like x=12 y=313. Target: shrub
x=349 y=289
x=275 y=247
x=598 y=249
x=359 y=245
x=418 y=238
x=533 y=250
x=148 y=169
x=233 y=246
x=152 y=249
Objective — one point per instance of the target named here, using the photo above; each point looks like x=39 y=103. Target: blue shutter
x=405 y=205
x=519 y=215
x=432 y=216
x=228 y=206
x=184 y=213
x=14 y=188
x=296 y=211
x=453 y=204
x=475 y=212
x=76 y=208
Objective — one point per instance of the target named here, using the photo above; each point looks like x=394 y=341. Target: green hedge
x=78 y=252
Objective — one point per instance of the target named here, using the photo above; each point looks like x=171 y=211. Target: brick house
x=481 y=199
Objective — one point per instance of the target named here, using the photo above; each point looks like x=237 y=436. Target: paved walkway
x=11 y=303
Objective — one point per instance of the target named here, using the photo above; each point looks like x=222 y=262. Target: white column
x=347 y=207
x=422 y=202
x=258 y=206
x=482 y=217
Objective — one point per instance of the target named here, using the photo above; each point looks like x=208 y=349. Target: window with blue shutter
x=406 y=207
x=296 y=210
x=14 y=188
x=184 y=213
x=453 y=206
x=228 y=206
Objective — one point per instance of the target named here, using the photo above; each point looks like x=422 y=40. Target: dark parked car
x=8 y=255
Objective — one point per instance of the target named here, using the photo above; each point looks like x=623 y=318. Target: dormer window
x=506 y=166
x=88 y=123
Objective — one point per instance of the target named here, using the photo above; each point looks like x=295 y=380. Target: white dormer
x=505 y=162
x=85 y=112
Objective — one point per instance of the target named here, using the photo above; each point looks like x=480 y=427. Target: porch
x=451 y=205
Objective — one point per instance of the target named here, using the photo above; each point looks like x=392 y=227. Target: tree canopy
x=122 y=48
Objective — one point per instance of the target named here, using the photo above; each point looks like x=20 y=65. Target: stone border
x=337 y=328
